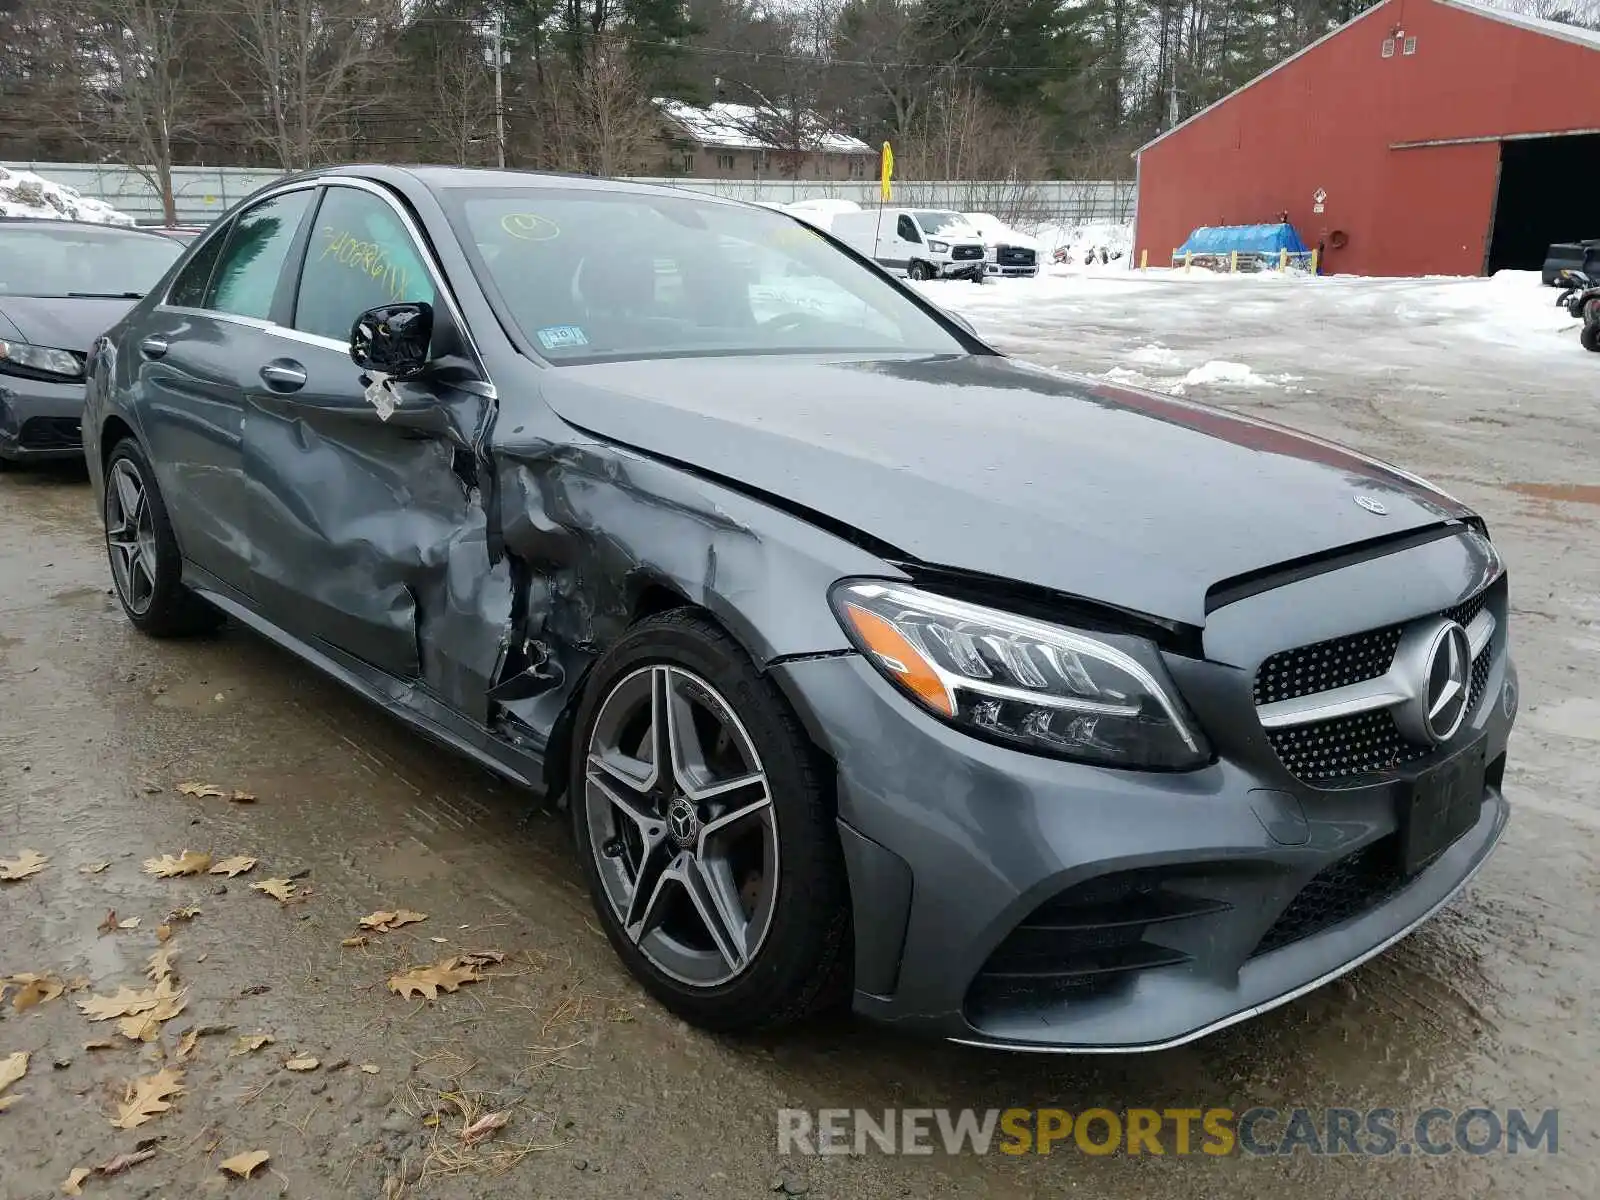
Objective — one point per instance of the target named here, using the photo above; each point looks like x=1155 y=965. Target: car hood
x=989 y=465
x=61 y=323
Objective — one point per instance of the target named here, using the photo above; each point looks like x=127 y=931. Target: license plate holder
x=1439 y=805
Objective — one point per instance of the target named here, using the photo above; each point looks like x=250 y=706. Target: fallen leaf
x=163 y=932
x=483 y=1127
x=146 y=1098
x=249 y=1044
x=243 y=797
x=242 y=1164
x=127 y=1002
x=99 y=1045
x=186 y=1044
x=190 y=862
x=302 y=1063
x=72 y=1185
x=93 y=869
x=278 y=889
x=146 y=1026
x=383 y=922
x=34 y=989
x=159 y=965
x=237 y=865
x=202 y=790
x=122 y=1162
x=480 y=958
x=187 y=913
x=128 y=923
x=150 y=789
x=369 y=1068
x=110 y=923
x=426 y=981
x=29 y=862
x=441 y=941
x=352 y=943
x=12 y=1068
x=431 y=1120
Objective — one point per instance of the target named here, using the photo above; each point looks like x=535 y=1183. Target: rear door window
x=247 y=273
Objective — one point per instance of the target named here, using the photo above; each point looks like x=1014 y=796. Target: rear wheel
x=146 y=566
x=704 y=830
x=1589 y=337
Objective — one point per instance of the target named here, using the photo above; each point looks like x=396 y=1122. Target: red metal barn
x=1423 y=137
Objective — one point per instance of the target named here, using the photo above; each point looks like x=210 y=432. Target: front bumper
x=956 y=848
x=40 y=421
x=965 y=269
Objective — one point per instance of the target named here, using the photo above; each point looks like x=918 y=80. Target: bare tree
x=459 y=87
x=605 y=124
x=140 y=51
x=311 y=67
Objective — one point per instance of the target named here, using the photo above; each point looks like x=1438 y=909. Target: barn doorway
x=1549 y=192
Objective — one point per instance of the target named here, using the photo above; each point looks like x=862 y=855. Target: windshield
x=938 y=222
x=591 y=275
x=88 y=260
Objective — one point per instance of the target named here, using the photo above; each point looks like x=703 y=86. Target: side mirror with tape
x=393 y=340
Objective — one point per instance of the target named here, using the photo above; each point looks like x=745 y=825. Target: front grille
x=1345 y=889
x=1348 y=748
x=966 y=253
x=1087 y=941
x=50 y=433
x=1015 y=256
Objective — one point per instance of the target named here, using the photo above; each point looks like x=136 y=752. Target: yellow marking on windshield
x=367 y=257
x=530 y=227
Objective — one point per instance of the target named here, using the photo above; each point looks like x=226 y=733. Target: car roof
x=443 y=178
x=69 y=223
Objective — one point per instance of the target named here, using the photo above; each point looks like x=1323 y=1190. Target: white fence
x=204 y=193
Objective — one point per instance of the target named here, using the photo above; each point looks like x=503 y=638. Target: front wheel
x=704 y=830
x=918 y=271
x=1589 y=338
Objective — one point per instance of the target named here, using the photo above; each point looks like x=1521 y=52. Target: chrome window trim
x=441 y=287
x=1389 y=690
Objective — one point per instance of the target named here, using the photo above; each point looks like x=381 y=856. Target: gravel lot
x=1492 y=1003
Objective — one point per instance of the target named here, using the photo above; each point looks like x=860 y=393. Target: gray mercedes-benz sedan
x=1019 y=708
x=62 y=284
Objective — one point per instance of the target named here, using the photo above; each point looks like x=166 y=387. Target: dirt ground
x=1493 y=1003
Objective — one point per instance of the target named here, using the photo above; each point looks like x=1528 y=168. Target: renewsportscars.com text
x=1217 y=1132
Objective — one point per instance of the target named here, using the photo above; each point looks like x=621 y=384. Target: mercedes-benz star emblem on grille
x=1372 y=506
x=1449 y=678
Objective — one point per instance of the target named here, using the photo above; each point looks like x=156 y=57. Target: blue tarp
x=1246 y=239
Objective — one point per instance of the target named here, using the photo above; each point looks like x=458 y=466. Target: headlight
x=939 y=247
x=1097 y=698
x=39 y=359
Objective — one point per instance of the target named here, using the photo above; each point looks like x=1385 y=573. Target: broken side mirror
x=393 y=340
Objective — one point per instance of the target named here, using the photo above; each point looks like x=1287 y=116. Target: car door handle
x=284 y=375
x=153 y=346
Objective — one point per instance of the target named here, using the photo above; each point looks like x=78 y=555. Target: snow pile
x=1153 y=355
x=1219 y=371
x=1086 y=244
x=24 y=194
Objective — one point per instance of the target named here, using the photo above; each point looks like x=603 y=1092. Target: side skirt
x=407 y=701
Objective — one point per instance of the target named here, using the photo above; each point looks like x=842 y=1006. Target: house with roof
x=744 y=141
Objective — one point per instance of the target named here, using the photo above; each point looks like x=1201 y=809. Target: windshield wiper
x=105 y=295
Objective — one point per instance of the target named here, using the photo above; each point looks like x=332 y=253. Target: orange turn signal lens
x=900 y=658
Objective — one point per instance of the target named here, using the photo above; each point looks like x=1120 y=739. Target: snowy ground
x=24 y=194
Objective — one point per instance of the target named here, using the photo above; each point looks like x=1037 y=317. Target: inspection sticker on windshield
x=561 y=337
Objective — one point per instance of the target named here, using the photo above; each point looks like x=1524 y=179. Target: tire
x=1589 y=338
x=784 y=949
x=918 y=271
x=146 y=565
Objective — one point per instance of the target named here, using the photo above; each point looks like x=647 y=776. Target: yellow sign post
x=886 y=170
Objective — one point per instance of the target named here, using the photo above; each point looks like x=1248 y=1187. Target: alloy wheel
x=681 y=825
x=130 y=537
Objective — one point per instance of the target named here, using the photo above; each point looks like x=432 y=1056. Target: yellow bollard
x=1188 y=260
x=1144 y=258
x=1233 y=262
x=1314 y=254
x=1283 y=260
